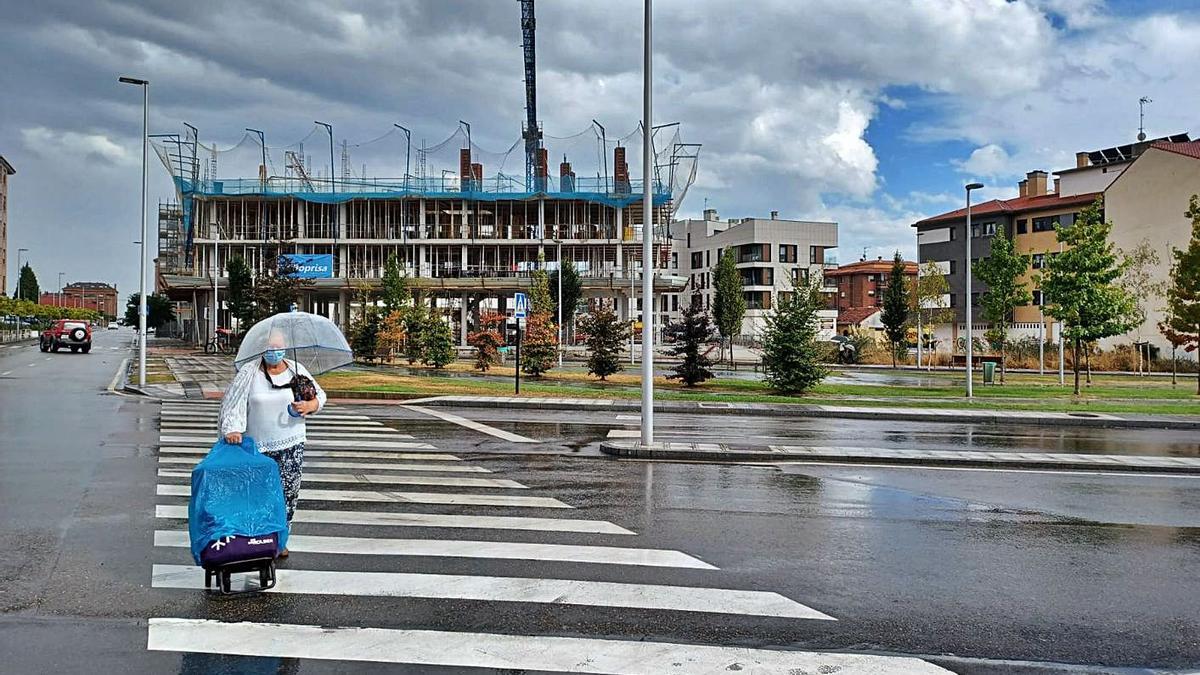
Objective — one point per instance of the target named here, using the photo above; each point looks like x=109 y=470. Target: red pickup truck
x=67 y=333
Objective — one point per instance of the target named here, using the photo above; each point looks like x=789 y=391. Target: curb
x=691 y=452
x=800 y=410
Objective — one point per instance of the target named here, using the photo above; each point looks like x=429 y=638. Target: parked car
x=67 y=333
x=112 y=325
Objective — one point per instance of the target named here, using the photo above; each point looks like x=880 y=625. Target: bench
x=961 y=360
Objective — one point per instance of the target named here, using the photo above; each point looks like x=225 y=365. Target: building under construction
x=468 y=238
x=467 y=226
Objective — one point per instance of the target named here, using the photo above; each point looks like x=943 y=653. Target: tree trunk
x=1087 y=359
x=1075 y=363
x=1003 y=359
x=893 y=355
x=1175 y=370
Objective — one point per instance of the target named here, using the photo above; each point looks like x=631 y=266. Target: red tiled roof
x=870 y=267
x=1186 y=149
x=1015 y=205
x=856 y=315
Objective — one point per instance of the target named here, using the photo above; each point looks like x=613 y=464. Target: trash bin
x=989 y=372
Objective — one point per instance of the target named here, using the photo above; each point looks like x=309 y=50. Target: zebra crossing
x=366 y=485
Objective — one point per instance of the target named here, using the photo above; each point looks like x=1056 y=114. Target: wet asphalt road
x=981 y=571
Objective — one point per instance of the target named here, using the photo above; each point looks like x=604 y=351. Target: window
x=989 y=229
x=1043 y=224
x=1037 y=261
x=800 y=275
x=953 y=266
x=1067 y=219
x=675 y=302
x=952 y=231
x=952 y=301
x=689 y=239
x=697 y=260
x=707 y=260
x=674 y=261
x=664 y=304
x=1022 y=226
x=1037 y=298
x=975 y=299
x=816 y=255
x=783 y=253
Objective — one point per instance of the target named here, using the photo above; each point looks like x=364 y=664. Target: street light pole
x=145 y=85
x=917 y=288
x=560 y=302
x=970 y=318
x=61 y=302
x=647 y=232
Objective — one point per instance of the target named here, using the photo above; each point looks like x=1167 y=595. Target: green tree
x=364 y=335
x=895 y=306
x=1081 y=284
x=27 y=285
x=929 y=292
x=395 y=286
x=1182 y=323
x=240 y=297
x=572 y=290
x=277 y=287
x=791 y=353
x=1142 y=285
x=691 y=333
x=1001 y=270
x=606 y=334
x=539 y=348
x=729 y=303
x=416 y=318
x=439 y=341
x=540 y=300
x=159 y=310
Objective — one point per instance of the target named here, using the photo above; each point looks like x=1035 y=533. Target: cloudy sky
x=873 y=113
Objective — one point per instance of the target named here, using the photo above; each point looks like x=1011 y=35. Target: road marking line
x=514 y=589
x=6 y=373
x=1060 y=472
x=472 y=425
x=624 y=433
x=377 y=466
x=379 y=479
x=463 y=548
x=365 y=426
x=438 y=520
x=311 y=442
x=396 y=497
x=505 y=652
x=366 y=454
x=49 y=357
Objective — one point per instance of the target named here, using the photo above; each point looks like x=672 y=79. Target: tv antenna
x=1142 y=117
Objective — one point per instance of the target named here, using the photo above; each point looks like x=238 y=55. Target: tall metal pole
x=970 y=317
x=1062 y=326
x=647 y=233
x=145 y=85
x=1041 y=336
x=917 y=288
x=560 y=304
x=603 y=152
x=216 y=275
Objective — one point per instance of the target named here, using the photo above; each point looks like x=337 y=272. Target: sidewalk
x=980 y=416
x=844 y=455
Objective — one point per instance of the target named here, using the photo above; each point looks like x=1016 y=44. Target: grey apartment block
x=945 y=242
x=771 y=254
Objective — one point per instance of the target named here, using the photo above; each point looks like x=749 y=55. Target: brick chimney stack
x=1037 y=183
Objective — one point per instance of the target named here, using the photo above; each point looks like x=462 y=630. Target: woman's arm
x=232 y=419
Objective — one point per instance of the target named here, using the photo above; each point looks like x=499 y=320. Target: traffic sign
x=521 y=306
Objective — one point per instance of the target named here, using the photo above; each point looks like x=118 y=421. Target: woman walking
x=260 y=404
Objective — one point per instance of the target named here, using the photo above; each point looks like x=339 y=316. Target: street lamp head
x=973 y=186
x=133 y=80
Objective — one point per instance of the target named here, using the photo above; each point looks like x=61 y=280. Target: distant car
x=67 y=333
x=112 y=325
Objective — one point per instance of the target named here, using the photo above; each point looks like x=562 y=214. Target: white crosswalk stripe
x=370 y=466
x=440 y=481
x=367 y=463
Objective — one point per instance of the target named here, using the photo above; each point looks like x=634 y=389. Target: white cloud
x=71 y=146
x=989 y=160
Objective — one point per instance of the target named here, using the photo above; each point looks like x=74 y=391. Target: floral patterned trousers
x=291 y=465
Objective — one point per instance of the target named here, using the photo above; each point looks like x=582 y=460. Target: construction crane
x=531 y=132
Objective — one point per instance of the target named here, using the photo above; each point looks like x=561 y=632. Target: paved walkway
x=969 y=458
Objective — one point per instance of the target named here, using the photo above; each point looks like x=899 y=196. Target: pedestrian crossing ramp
x=383 y=517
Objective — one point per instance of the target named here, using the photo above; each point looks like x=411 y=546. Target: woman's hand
x=233 y=438
x=306 y=408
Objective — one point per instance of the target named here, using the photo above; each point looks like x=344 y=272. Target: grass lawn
x=1023 y=392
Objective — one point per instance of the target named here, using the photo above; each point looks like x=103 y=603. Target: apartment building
x=772 y=254
x=859 y=290
x=1147 y=203
x=6 y=170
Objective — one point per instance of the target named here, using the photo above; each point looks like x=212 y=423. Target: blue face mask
x=274 y=356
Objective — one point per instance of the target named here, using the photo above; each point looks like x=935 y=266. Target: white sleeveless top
x=254 y=408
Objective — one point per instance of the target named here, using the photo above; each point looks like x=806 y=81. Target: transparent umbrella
x=313 y=340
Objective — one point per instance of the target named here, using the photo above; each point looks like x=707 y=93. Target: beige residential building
x=6 y=170
x=1147 y=203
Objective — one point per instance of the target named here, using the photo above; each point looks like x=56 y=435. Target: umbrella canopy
x=314 y=341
